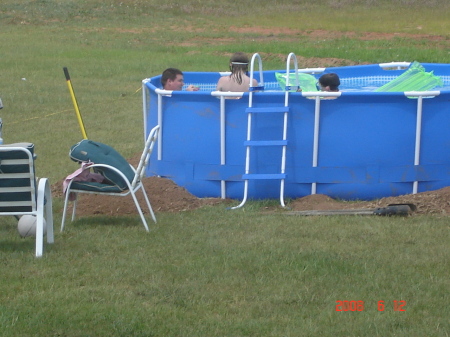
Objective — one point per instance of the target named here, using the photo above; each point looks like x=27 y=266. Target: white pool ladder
x=249 y=143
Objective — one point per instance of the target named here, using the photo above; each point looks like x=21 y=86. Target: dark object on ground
x=391 y=209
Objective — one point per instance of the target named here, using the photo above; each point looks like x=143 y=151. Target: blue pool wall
x=366 y=150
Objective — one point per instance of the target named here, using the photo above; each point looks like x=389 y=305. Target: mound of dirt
x=432 y=202
x=166 y=196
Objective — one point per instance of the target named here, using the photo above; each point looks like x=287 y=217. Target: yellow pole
x=75 y=104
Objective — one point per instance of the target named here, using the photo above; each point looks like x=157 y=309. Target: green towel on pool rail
x=413 y=79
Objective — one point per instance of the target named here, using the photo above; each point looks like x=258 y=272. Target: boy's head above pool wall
x=173 y=79
x=329 y=82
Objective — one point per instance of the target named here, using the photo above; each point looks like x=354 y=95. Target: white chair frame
x=40 y=202
x=132 y=186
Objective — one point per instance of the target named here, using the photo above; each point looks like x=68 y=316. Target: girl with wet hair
x=238 y=66
x=238 y=80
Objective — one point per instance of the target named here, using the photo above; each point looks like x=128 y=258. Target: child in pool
x=238 y=80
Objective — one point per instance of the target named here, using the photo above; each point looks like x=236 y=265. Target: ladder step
x=258 y=88
x=264 y=176
x=266 y=110
x=292 y=88
x=265 y=143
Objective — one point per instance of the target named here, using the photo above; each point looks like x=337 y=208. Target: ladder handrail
x=288 y=63
x=249 y=119
x=249 y=122
x=261 y=77
x=260 y=68
x=285 y=118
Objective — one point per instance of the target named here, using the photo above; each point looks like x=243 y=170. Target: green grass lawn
x=208 y=272
x=216 y=272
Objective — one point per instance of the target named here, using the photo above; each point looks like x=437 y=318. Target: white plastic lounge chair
x=18 y=193
x=123 y=178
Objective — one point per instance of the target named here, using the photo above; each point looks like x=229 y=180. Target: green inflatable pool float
x=413 y=79
x=306 y=82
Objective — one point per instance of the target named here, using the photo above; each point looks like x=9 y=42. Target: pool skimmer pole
x=75 y=104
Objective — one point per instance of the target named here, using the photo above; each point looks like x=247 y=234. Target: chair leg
x=39 y=235
x=74 y=207
x=148 y=203
x=66 y=202
x=49 y=214
x=43 y=192
x=139 y=210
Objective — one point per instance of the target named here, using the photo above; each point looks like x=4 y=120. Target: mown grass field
x=208 y=272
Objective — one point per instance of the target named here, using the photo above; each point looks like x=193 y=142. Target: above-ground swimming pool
x=359 y=144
